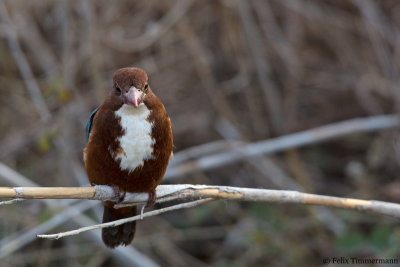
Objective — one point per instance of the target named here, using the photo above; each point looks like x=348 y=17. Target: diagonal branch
x=158 y=30
x=285 y=142
x=126 y=220
x=23 y=65
x=19 y=239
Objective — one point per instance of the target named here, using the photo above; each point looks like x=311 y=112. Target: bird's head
x=130 y=86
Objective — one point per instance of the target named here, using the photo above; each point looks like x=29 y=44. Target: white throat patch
x=136 y=145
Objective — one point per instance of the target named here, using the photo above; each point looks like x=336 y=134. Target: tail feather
x=122 y=234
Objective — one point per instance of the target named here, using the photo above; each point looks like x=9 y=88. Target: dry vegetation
x=226 y=70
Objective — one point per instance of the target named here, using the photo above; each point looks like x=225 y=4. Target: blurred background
x=229 y=72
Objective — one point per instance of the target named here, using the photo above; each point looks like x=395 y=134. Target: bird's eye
x=146 y=86
x=118 y=89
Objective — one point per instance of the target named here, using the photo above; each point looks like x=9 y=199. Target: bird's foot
x=119 y=194
x=152 y=199
x=150 y=202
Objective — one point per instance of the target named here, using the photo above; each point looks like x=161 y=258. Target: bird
x=129 y=145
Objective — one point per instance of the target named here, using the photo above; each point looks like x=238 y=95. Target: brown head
x=130 y=86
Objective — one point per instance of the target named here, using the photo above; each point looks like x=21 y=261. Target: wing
x=90 y=123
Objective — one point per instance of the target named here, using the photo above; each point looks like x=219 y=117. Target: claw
x=152 y=199
x=120 y=194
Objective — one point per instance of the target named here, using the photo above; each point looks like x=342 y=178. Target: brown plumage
x=129 y=146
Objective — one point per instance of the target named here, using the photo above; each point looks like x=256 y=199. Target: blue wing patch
x=90 y=123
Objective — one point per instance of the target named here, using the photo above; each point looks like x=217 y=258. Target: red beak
x=133 y=97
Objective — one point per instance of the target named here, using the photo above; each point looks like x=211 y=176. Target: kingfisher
x=129 y=145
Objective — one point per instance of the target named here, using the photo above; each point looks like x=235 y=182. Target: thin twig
x=158 y=30
x=11 y=243
x=271 y=93
x=35 y=42
x=12 y=201
x=131 y=219
x=378 y=28
x=23 y=65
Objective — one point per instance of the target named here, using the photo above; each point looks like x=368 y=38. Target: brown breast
x=108 y=155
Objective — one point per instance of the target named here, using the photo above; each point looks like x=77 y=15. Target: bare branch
x=131 y=219
x=271 y=93
x=50 y=192
x=195 y=192
x=12 y=201
x=157 y=31
x=23 y=65
x=19 y=239
x=294 y=140
x=204 y=193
